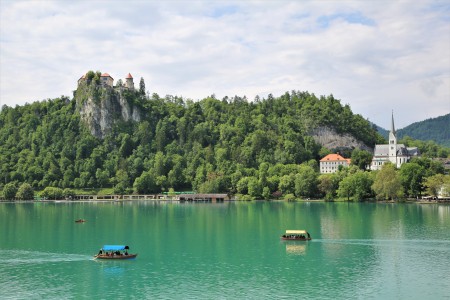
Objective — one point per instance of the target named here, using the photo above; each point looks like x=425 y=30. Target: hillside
x=435 y=129
x=122 y=138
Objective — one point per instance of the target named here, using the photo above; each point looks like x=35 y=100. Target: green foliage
x=437 y=184
x=356 y=186
x=412 y=176
x=52 y=193
x=260 y=148
x=10 y=191
x=306 y=182
x=427 y=148
x=436 y=129
x=68 y=193
x=361 y=158
x=387 y=184
x=25 y=192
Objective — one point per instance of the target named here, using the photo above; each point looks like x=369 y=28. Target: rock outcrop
x=101 y=107
x=329 y=138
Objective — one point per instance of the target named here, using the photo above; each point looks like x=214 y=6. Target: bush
x=52 y=193
x=68 y=193
x=9 y=191
x=25 y=192
x=289 y=197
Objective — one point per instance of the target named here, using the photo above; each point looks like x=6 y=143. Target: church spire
x=392 y=124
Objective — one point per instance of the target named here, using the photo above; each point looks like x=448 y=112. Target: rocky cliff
x=101 y=107
x=329 y=138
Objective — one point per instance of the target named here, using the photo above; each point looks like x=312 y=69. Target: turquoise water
x=225 y=251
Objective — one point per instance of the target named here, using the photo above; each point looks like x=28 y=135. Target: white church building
x=397 y=154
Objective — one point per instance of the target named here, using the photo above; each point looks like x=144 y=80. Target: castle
x=107 y=80
x=397 y=154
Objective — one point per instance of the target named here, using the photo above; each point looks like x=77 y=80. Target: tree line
x=260 y=149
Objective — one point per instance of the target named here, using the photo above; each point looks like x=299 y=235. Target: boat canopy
x=114 y=247
x=296 y=232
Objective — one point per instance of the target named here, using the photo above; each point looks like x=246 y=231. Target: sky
x=376 y=56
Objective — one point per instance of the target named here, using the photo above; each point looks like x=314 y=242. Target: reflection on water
x=296 y=247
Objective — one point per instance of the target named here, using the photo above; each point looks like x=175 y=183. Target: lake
x=225 y=250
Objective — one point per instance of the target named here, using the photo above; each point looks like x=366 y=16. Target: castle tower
x=106 y=79
x=393 y=143
x=129 y=82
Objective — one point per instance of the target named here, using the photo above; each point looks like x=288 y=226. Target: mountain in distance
x=435 y=129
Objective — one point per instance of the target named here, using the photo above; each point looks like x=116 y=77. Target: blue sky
x=376 y=56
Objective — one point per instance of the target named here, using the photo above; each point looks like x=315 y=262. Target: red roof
x=129 y=76
x=335 y=157
x=105 y=75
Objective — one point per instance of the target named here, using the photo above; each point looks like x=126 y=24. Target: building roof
x=383 y=150
x=335 y=157
x=105 y=75
x=129 y=76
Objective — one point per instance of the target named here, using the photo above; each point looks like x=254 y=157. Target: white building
x=397 y=154
x=331 y=163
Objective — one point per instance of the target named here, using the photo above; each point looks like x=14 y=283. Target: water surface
x=225 y=251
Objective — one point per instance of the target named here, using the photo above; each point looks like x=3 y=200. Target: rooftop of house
x=335 y=157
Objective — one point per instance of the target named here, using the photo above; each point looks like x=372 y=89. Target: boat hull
x=103 y=256
x=295 y=239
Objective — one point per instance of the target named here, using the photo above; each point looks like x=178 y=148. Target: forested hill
x=436 y=129
x=134 y=142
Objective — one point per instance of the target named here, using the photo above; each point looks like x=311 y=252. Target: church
x=397 y=154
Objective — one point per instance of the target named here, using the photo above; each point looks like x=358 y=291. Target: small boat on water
x=296 y=235
x=80 y=221
x=114 y=252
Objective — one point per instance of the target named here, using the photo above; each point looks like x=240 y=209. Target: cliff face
x=329 y=138
x=101 y=107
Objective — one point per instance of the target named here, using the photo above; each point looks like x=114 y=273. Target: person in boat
x=100 y=252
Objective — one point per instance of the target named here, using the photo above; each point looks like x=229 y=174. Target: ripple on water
x=18 y=257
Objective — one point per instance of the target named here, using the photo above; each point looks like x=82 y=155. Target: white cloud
x=376 y=56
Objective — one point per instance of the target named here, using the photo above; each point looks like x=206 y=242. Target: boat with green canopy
x=114 y=252
x=296 y=235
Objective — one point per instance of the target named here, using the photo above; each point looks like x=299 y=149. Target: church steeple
x=392 y=143
x=392 y=124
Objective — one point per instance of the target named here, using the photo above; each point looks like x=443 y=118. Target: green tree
x=52 y=193
x=266 y=193
x=437 y=184
x=69 y=193
x=411 y=175
x=142 y=86
x=102 y=177
x=387 y=184
x=361 y=158
x=9 y=191
x=306 y=182
x=254 y=188
x=145 y=184
x=327 y=185
x=25 y=192
x=287 y=184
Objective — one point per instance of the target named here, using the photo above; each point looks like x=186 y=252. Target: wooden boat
x=296 y=235
x=80 y=221
x=114 y=252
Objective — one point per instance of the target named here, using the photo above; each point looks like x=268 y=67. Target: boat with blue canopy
x=114 y=252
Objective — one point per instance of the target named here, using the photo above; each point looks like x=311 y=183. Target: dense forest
x=435 y=129
x=261 y=148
